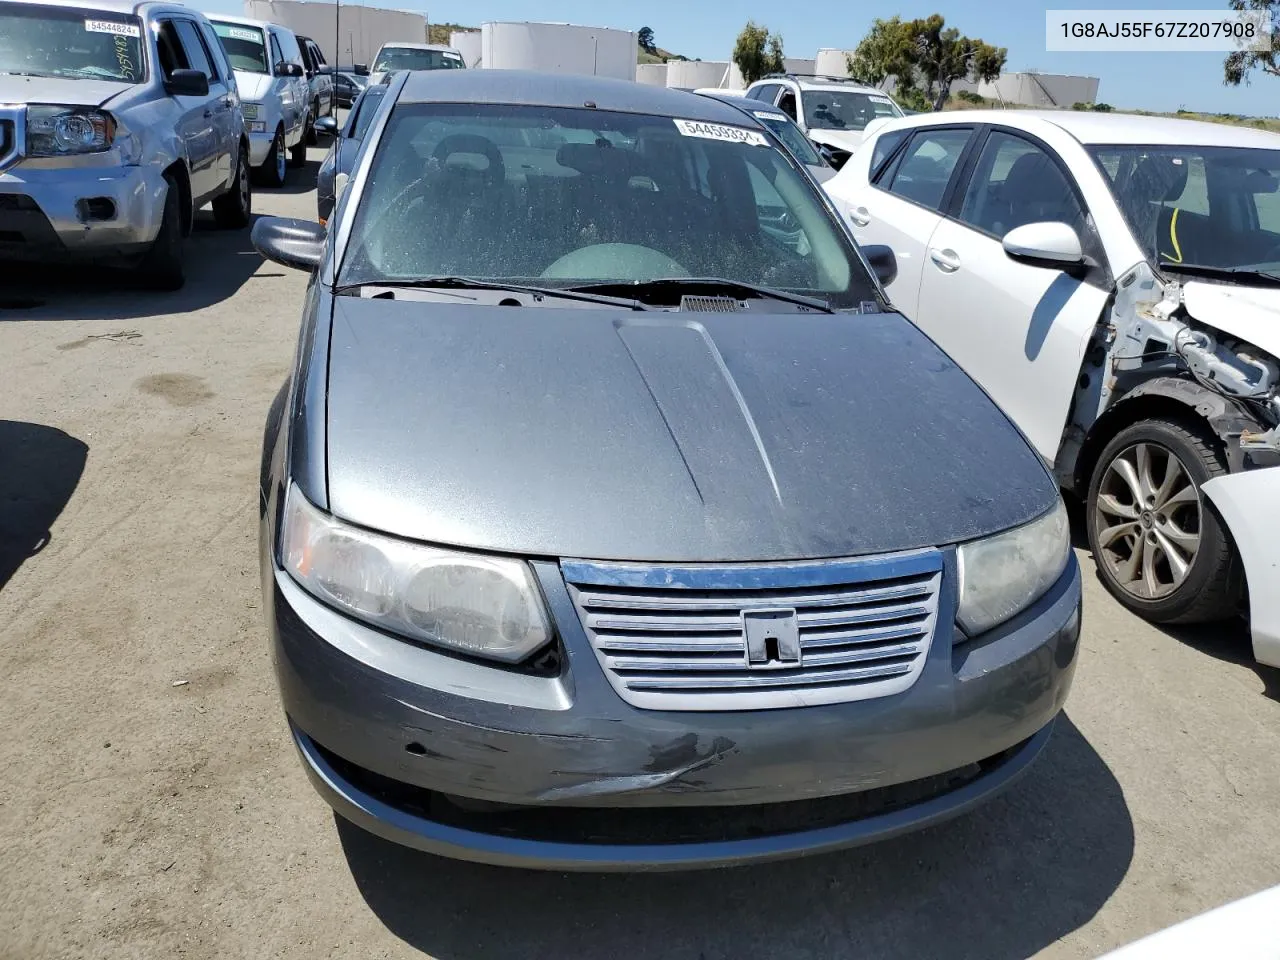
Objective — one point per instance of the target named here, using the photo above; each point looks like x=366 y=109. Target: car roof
x=404 y=45
x=247 y=21
x=1090 y=127
x=114 y=6
x=561 y=90
x=821 y=83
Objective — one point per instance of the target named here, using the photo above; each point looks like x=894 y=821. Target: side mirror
x=882 y=261
x=289 y=70
x=187 y=83
x=1053 y=244
x=292 y=243
x=327 y=125
x=361 y=70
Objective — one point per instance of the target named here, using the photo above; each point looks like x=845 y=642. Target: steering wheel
x=614 y=261
x=495 y=173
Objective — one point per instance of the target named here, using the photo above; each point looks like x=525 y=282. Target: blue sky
x=1155 y=81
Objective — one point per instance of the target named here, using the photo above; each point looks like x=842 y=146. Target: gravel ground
x=151 y=805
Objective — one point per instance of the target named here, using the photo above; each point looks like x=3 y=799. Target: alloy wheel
x=242 y=180
x=281 y=160
x=1148 y=520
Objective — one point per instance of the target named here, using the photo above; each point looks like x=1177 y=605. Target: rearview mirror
x=327 y=126
x=292 y=243
x=1053 y=244
x=288 y=70
x=882 y=261
x=187 y=83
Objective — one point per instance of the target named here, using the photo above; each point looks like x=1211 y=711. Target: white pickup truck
x=1114 y=283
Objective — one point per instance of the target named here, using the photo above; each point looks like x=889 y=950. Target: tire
x=272 y=172
x=234 y=209
x=298 y=152
x=161 y=267
x=312 y=138
x=1193 y=574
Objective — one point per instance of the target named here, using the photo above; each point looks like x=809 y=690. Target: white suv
x=275 y=94
x=832 y=111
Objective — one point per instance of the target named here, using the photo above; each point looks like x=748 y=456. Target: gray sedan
x=346 y=146
x=612 y=519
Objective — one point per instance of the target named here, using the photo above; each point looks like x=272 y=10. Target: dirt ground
x=151 y=805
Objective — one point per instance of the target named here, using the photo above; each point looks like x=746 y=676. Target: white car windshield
x=845 y=109
x=82 y=43
x=560 y=197
x=1211 y=206
x=412 y=58
x=246 y=48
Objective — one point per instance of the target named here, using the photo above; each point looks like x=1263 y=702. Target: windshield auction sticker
x=109 y=26
x=1146 y=31
x=716 y=131
x=240 y=33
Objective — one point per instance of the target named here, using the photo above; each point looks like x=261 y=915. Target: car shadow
x=301 y=179
x=1000 y=883
x=40 y=468
x=218 y=263
x=1230 y=642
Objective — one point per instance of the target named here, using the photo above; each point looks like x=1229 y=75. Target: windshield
x=791 y=136
x=845 y=109
x=412 y=58
x=562 y=197
x=70 y=42
x=366 y=109
x=1213 y=206
x=245 y=47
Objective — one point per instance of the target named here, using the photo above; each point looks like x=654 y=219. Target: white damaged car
x=1113 y=282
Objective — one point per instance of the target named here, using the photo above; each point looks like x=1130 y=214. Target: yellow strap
x=1173 y=238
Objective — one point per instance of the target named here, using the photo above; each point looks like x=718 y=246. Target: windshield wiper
x=1231 y=273
x=470 y=283
x=677 y=287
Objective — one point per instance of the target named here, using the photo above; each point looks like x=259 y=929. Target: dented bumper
x=463 y=759
x=1249 y=503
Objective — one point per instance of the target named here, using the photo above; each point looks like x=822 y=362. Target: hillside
x=439 y=33
x=968 y=101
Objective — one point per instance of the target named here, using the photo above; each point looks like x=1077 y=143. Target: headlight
x=483 y=606
x=1004 y=574
x=63 y=131
x=250 y=110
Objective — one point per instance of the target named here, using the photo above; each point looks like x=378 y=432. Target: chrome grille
x=12 y=132
x=677 y=638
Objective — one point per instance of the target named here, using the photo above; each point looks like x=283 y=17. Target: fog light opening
x=417 y=749
x=96 y=208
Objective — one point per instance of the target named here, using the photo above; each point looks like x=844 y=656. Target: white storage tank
x=651 y=74
x=467 y=43
x=360 y=30
x=832 y=63
x=693 y=74
x=558 y=48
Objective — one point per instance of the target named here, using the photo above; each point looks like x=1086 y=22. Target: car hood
x=848 y=140
x=1250 y=313
x=252 y=86
x=60 y=90
x=663 y=436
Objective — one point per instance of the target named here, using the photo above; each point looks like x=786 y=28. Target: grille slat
x=680 y=644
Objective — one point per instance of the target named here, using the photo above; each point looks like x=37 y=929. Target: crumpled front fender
x=1249 y=502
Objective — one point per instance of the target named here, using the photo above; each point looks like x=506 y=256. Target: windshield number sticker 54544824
x=718 y=131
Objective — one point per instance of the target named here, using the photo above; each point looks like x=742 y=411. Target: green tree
x=756 y=53
x=644 y=37
x=924 y=57
x=1240 y=63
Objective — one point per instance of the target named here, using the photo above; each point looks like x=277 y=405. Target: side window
x=787 y=103
x=884 y=148
x=1015 y=183
x=924 y=168
x=277 y=57
x=289 y=48
x=194 y=48
x=767 y=92
x=214 y=46
x=317 y=55
x=169 y=48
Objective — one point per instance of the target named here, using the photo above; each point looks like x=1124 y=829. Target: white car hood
x=1249 y=313
x=252 y=86
x=59 y=90
x=844 y=139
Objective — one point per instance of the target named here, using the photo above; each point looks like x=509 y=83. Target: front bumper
x=478 y=763
x=57 y=212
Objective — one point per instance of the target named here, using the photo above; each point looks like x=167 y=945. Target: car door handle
x=946 y=260
x=860 y=216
